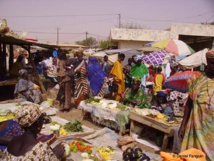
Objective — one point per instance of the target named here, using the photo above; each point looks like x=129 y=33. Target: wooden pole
x=35 y=71
x=4 y=65
x=11 y=57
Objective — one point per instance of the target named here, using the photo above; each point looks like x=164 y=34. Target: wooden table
x=9 y=82
x=168 y=129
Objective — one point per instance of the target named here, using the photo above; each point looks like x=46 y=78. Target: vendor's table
x=168 y=129
x=103 y=116
x=9 y=82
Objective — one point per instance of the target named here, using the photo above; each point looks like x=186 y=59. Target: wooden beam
x=35 y=71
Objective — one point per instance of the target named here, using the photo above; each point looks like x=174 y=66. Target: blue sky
x=40 y=18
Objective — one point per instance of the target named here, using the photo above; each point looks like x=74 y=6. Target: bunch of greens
x=73 y=126
x=121 y=107
x=89 y=100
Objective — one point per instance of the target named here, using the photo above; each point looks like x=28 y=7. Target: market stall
x=156 y=120
x=109 y=113
x=81 y=142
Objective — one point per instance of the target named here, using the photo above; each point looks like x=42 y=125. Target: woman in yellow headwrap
x=117 y=72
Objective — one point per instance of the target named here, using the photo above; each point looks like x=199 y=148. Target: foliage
x=210 y=23
x=91 y=42
x=131 y=26
x=104 y=44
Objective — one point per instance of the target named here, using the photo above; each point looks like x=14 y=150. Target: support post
x=11 y=57
x=35 y=71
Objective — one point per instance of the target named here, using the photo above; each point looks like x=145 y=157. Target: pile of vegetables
x=121 y=107
x=73 y=126
x=134 y=154
x=76 y=146
x=92 y=100
x=106 y=152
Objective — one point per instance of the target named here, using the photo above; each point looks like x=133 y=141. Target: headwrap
x=161 y=94
x=27 y=114
x=210 y=54
x=139 y=57
x=136 y=79
x=22 y=72
x=173 y=64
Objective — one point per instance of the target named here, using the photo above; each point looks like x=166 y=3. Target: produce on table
x=67 y=149
x=106 y=152
x=135 y=154
x=87 y=160
x=161 y=116
x=84 y=155
x=112 y=105
x=55 y=127
x=76 y=146
x=9 y=116
x=122 y=107
x=62 y=131
x=92 y=100
x=146 y=111
x=73 y=126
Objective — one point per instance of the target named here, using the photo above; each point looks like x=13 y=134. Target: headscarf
x=22 y=72
x=27 y=114
x=139 y=57
x=173 y=64
x=137 y=79
x=161 y=94
x=95 y=75
x=138 y=70
x=210 y=54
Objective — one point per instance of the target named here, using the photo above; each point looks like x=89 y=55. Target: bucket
x=50 y=101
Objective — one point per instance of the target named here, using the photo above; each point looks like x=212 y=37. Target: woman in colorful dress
x=196 y=129
x=81 y=90
x=139 y=70
x=96 y=78
x=26 y=146
x=65 y=77
x=119 y=78
x=135 y=96
x=26 y=90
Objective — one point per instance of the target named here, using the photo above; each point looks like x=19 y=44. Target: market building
x=198 y=36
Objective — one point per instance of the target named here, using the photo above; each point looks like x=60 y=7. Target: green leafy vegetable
x=73 y=126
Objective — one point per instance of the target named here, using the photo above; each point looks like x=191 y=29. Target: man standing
x=106 y=66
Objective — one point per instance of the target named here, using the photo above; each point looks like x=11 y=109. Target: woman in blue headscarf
x=96 y=77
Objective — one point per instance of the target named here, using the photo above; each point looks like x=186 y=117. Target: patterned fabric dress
x=41 y=151
x=199 y=131
x=26 y=88
x=139 y=97
x=81 y=90
x=9 y=128
x=65 y=82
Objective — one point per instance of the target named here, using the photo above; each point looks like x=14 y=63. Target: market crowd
x=135 y=85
